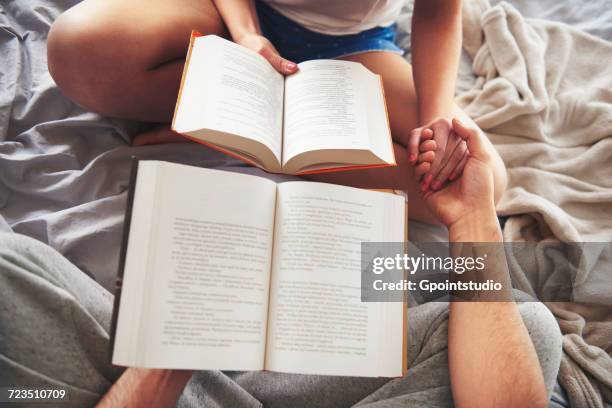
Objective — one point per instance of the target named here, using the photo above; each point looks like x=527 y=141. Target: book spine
x=194 y=34
x=124 y=244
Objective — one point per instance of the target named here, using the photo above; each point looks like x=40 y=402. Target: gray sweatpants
x=54 y=332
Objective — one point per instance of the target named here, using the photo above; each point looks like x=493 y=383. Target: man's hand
x=450 y=153
x=473 y=193
x=264 y=47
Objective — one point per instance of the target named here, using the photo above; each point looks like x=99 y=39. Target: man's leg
x=54 y=332
x=428 y=383
x=125 y=58
x=54 y=323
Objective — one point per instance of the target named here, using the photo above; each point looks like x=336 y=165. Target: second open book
x=230 y=271
x=330 y=115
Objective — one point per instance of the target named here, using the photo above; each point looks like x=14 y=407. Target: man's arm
x=491 y=359
x=436 y=47
x=140 y=387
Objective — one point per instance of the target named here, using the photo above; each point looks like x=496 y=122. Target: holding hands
x=467 y=152
x=443 y=154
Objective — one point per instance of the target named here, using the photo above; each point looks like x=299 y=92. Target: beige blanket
x=543 y=94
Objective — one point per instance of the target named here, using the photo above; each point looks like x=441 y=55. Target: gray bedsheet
x=64 y=171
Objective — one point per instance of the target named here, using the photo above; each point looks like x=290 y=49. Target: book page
x=207 y=270
x=317 y=323
x=231 y=89
x=324 y=108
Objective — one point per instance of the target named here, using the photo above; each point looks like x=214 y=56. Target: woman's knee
x=74 y=46
x=101 y=58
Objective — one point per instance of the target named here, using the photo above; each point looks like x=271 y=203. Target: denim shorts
x=298 y=44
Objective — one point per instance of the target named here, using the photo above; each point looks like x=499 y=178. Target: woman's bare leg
x=401 y=101
x=124 y=58
x=398 y=178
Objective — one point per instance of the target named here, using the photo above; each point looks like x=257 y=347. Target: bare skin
x=146 y=388
x=489 y=350
x=125 y=58
x=113 y=58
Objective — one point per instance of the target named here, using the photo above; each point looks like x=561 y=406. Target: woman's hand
x=240 y=18
x=473 y=193
x=450 y=153
x=264 y=47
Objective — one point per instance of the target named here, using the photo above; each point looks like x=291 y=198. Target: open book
x=331 y=115
x=235 y=272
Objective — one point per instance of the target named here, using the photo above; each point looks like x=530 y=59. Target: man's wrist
x=476 y=226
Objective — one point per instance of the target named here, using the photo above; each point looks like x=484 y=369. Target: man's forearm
x=436 y=46
x=240 y=17
x=492 y=361
x=477 y=226
x=139 y=387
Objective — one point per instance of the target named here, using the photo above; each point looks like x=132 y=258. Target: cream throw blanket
x=543 y=94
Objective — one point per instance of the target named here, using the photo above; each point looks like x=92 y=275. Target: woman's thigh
x=400 y=92
x=125 y=57
x=148 y=32
x=401 y=101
